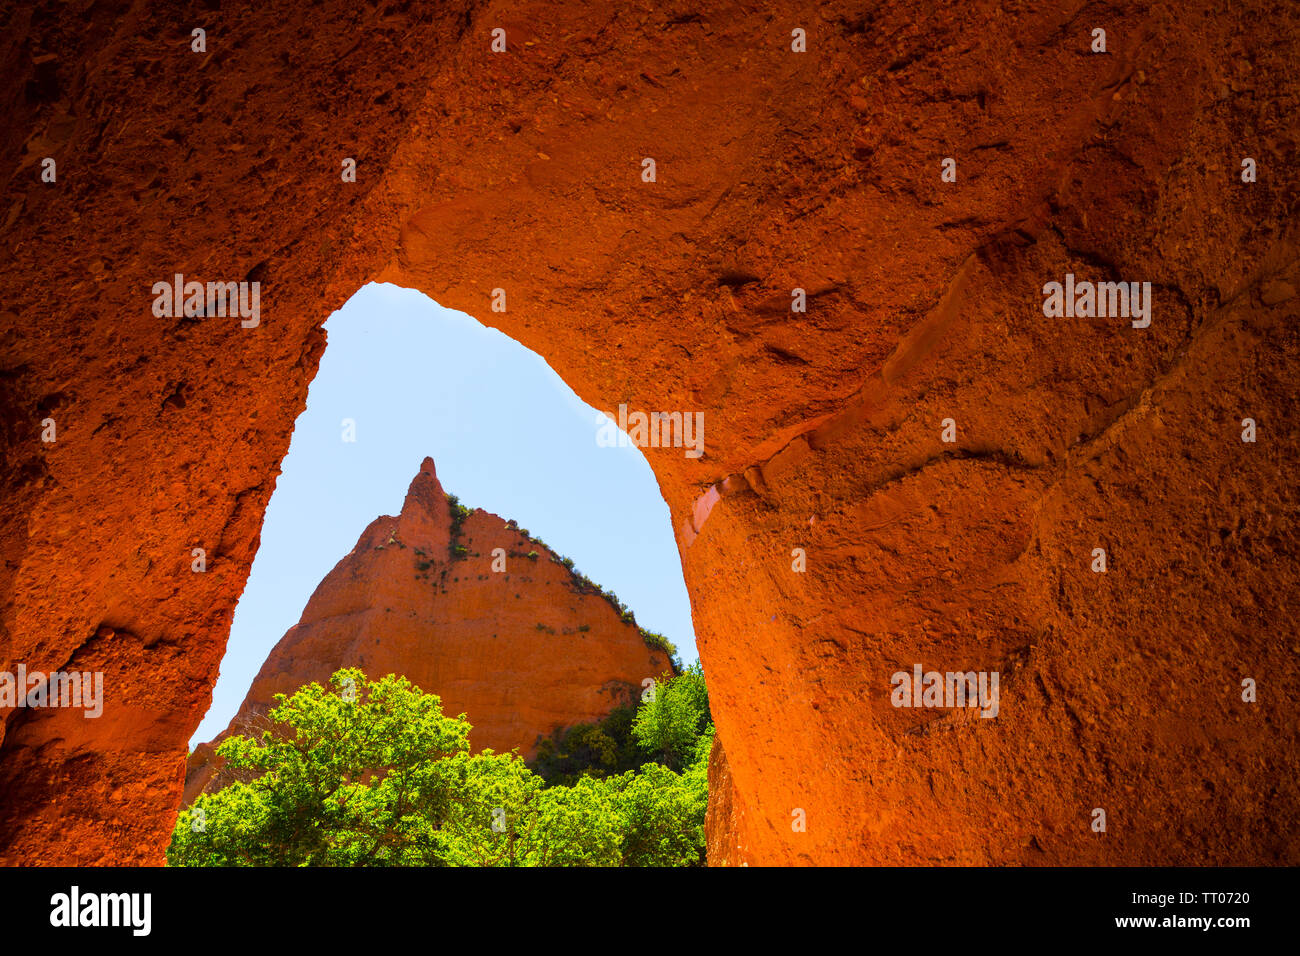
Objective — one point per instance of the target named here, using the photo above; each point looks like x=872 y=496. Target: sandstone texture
x=724 y=822
x=521 y=652
x=522 y=171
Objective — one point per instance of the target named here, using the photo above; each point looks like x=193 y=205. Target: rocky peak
x=521 y=652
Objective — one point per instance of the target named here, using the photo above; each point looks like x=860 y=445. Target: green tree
x=672 y=723
x=371 y=773
x=663 y=813
x=603 y=749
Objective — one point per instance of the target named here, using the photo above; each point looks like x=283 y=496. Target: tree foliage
x=602 y=749
x=372 y=773
x=670 y=724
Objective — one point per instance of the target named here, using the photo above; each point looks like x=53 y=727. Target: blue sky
x=507 y=435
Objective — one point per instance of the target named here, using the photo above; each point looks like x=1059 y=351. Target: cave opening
x=403 y=379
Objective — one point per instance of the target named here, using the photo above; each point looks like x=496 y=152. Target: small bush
x=653 y=639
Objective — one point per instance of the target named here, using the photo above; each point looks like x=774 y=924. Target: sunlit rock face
x=471 y=610
x=524 y=171
x=725 y=821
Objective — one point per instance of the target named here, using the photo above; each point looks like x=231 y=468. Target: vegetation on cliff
x=372 y=773
x=666 y=727
x=579 y=582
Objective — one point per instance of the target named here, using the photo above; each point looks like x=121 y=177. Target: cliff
x=521 y=652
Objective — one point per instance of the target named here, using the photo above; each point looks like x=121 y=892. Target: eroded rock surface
x=775 y=170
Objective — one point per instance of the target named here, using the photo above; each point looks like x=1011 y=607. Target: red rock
x=725 y=821
x=1121 y=690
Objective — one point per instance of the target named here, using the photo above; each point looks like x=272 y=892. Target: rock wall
x=724 y=822
x=524 y=171
x=521 y=651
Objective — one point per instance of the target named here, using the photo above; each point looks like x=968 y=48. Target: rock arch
x=775 y=170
